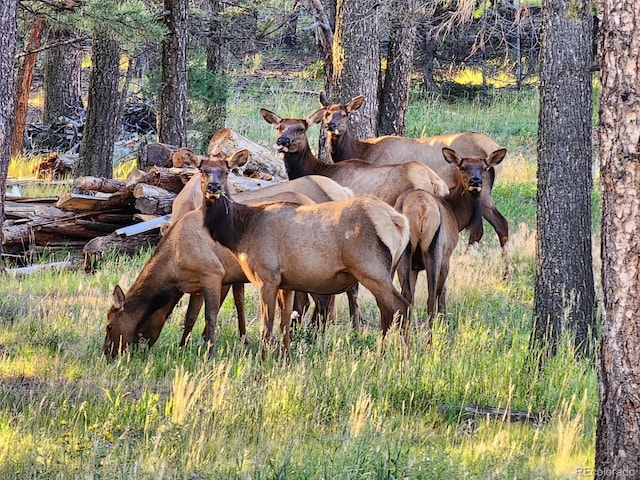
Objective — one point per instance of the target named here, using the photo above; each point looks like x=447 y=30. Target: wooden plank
x=78 y=201
x=142 y=227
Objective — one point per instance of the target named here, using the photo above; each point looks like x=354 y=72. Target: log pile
x=103 y=214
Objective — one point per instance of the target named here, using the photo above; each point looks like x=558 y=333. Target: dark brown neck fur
x=225 y=220
x=304 y=162
x=345 y=146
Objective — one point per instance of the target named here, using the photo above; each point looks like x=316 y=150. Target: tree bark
x=25 y=75
x=564 y=296
x=101 y=127
x=356 y=62
x=618 y=429
x=62 y=69
x=8 y=34
x=172 y=128
x=394 y=98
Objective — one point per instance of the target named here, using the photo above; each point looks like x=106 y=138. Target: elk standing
x=324 y=248
x=392 y=149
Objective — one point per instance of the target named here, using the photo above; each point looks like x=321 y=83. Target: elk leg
x=193 y=309
x=238 y=300
x=285 y=298
x=267 y=294
x=300 y=305
x=496 y=220
x=212 y=301
x=354 y=307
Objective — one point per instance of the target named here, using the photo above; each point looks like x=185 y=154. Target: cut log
x=164 y=178
x=153 y=200
x=95 y=250
x=155 y=154
x=99 y=184
x=262 y=163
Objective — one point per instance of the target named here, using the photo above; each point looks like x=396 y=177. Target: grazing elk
x=317 y=188
x=187 y=260
x=392 y=149
x=434 y=236
x=323 y=248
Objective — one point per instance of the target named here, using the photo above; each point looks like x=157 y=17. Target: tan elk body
x=391 y=149
x=323 y=248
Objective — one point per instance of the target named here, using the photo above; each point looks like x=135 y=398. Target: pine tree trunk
x=172 y=128
x=25 y=75
x=101 y=128
x=618 y=430
x=394 y=99
x=8 y=34
x=564 y=297
x=356 y=61
x=62 y=68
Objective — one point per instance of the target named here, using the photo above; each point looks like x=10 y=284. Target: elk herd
x=383 y=206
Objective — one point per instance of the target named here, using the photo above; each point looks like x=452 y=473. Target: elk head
x=336 y=115
x=133 y=324
x=214 y=172
x=292 y=132
x=474 y=169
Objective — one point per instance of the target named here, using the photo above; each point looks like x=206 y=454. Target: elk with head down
x=186 y=260
x=323 y=248
x=391 y=149
x=318 y=188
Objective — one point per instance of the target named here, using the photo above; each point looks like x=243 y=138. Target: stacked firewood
x=104 y=215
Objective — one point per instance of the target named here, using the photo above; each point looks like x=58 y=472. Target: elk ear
x=496 y=157
x=118 y=298
x=270 y=117
x=238 y=159
x=354 y=104
x=185 y=157
x=218 y=140
x=324 y=101
x=315 y=117
x=451 y=156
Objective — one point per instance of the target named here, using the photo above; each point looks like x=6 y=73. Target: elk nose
x=213 y=187
x=284 y=142
x=331 y=126
x=475 y=182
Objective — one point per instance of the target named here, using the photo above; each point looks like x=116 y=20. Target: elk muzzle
x=283 y=144
x=214 y=190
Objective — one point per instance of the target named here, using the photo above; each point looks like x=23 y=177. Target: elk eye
x=109 y=327
x=463 y=168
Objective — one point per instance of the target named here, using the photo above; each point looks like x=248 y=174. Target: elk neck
x=302 y=163
x=342 y=147
x=225 y=220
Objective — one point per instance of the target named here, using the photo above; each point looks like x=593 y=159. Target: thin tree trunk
x=618 y=429
x=394 y=100
x=564 y=297
x=172 y=128
x=356 y=61
x=101 y=127
x=62 y=69
x=25 y=75
x=8 y=34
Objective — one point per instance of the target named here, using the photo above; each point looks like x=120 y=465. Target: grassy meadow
x=339 y=409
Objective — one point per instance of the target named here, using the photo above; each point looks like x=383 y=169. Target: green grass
x=338 y=409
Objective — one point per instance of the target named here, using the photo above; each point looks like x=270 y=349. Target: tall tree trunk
x=356 y=61
x=323 y=34
x=8 y=34
x=428 y=48
x=23 y=88
x=101 y=128
x=217 y=64
x=618 y=430
x=564 y=296
x=172 y=128
x=394 y=98
x=62 y=69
